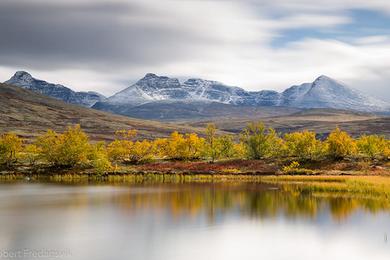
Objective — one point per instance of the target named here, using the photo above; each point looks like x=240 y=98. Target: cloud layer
x=106 y=45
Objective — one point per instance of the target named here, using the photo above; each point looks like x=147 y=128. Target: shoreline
x=248 y=168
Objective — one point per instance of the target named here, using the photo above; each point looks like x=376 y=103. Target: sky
x=105 y=46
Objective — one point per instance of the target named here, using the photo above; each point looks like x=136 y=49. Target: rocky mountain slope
x=25 y=80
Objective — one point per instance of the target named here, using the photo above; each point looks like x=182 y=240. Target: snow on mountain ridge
x=324 y=92
x=157 y=88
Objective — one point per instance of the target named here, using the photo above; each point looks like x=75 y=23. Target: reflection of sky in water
x=105 y=222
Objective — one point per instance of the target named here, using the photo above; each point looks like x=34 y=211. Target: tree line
x=73 y=147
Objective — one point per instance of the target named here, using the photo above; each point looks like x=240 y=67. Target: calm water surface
x=187 y=221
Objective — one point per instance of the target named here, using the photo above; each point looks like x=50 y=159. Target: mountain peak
x=324 y=77
x=22 y=73
x=24 y=80
x=153 y=81
x=326 y=92
x=326 y=83
x=150 y=75
x=154 y=77
x=22 y=76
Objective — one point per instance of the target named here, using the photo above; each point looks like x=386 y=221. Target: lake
x=168 y=221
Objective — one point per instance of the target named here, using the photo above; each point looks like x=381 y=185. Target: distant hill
x=193 y=111
x=25 y=80
x=29 y=113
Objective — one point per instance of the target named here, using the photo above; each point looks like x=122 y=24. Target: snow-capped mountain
x=157 y=88
x=324 y=92
x=293 y=96
x=214 y=91
x=25 y=80
x=150 y=88
x=162 y=91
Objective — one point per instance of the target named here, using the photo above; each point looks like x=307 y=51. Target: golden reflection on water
x=192 y=219
x=253 y=200
x=261 y=198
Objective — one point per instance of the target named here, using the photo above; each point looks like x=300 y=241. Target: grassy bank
x=222 y=168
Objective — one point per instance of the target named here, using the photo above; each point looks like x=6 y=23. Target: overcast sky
x=106 y=45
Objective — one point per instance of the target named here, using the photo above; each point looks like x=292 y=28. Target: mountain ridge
x=24 y=80
x=197 y=94
x=323 y=92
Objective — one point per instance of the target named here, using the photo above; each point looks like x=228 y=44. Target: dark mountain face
x=25 y=80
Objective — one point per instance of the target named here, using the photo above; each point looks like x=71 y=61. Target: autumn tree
x=239 y=150
x=373 y=146
x=121 y=149
x=226 y=147
x=194 y=146
x=160 y=148
x=303 y=145
x=75 y=146
x=340 y=145
x=10 y=146
x=65 y=150
x=211 y=148
x=182 y=147
x=49 y=144
x=141 y=151
x=174 y=148
x=276 y=145
x=31 y=153
x=260 y=142
x=99 y=158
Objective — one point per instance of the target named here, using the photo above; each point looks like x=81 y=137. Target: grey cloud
x=101 y=35
x=104 y=41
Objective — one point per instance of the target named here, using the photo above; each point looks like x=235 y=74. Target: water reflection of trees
x=254 y=200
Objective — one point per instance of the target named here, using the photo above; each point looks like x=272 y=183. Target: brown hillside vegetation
x=321 y=121
x=29 y=114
